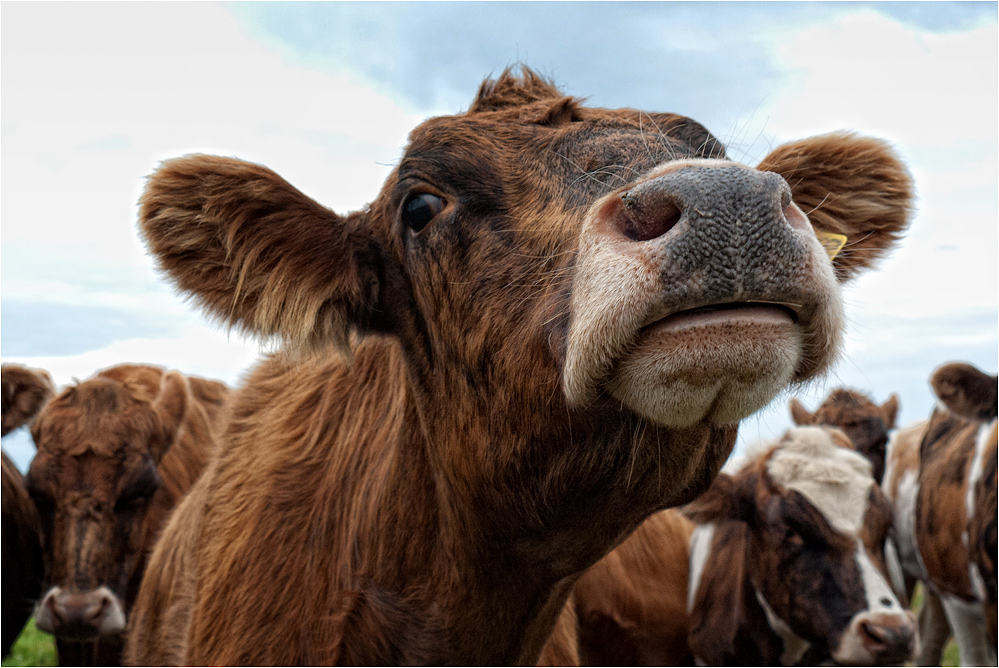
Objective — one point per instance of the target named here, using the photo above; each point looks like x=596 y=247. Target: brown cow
x=865 y=423
x=24 y=392
x=556 y=316
x=787 y=563
x=115 y=453
x=954 y=507
x=632 y=604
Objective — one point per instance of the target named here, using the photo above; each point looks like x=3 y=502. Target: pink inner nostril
x=648 y=220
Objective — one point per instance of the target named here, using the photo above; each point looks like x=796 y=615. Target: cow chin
x=719 y=367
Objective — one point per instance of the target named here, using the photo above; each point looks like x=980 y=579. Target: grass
x=32 y=648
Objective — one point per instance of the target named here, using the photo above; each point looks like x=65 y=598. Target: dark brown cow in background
x=24 y=392
x=557 y=316
x=632 y=604
x=955 y=506
x=865 y=423
x=787 y=562
x=115 y=454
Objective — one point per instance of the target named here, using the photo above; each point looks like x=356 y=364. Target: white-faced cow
x=787 y=563
x=953 y=506
x=115 y=454
x=25 y=391
x=554 y=317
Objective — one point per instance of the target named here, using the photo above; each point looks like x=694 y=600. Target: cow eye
x=418 y=210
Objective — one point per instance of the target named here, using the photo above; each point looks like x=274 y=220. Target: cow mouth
x=719 y=362
x=748 y=311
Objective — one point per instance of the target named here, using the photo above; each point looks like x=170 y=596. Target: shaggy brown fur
x=25 y=391
x=22 y=555
x=434 y=499
x=864 y=422
x=632 y=604
x=115 y=454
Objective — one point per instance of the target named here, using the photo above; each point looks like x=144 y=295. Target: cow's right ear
x=966 y=390
x=258 y=254
x=855 y=190
x=889 y=410
x=171 y=408
x=800 y=414
x=724 y=500
x=25 y=391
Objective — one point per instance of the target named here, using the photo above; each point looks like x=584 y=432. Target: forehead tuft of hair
x=515 y=87
x=836 y=480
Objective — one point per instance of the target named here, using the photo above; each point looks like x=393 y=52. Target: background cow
x=115 y=453
x=865 y=423
x=787 y=563
x=955 y=506
x=557 y=315
x=24 y=392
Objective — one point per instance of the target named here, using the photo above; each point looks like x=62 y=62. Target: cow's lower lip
x=748 y=313
x=719 y=364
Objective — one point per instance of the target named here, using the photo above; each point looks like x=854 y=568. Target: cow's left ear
x=171 y=408
x=966 y=390
x=851 y=186
x=800 y=414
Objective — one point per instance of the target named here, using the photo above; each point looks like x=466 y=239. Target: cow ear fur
x=257 y=253
x=25 y=391
x=966 y=391
x=850 y=185
x=724 y=500
x=171 y=408
x=800 y=414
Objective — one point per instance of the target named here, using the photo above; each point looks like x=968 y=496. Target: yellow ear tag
x=833 y=243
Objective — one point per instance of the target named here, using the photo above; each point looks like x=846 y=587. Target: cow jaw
x=693 y=314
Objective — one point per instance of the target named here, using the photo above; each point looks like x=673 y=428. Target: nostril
x=96 y=611
x=885 y=601
x=53 y=608
x=648 y=218
x=875 y=633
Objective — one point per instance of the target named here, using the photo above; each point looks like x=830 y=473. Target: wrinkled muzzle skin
x=700 y=292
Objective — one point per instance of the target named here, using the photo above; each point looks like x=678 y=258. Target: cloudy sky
x=94 y=96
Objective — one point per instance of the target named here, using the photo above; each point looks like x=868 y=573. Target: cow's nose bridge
x=732 y=196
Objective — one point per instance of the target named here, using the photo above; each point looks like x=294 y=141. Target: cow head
x=94 y=481
x=864 y=422
x=25 y=391
x=812 y=524
x=554 y=273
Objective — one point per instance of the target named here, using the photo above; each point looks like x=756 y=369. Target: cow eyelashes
x=419 y=209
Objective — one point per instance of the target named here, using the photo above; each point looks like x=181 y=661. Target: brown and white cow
x=787 y=561
x=953 y=507
x=867 y=424
x=24 y=392
x=115 y=453
x=555 y=316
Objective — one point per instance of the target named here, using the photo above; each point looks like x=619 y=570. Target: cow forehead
x=835 y=480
